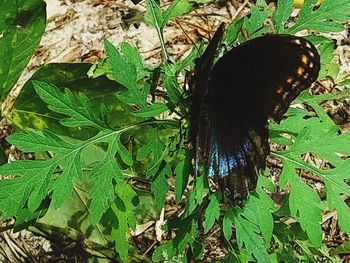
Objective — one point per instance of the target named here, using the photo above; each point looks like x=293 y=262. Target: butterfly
x=232 y=100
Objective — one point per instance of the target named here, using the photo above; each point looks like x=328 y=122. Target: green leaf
x=30 y=112
x=182 y=171
x=123 y=208
x=165 y=251
x=344 y=82
x=160 y=186
x=227 y=224
x=177 y=8
x=105 y=174
x=151 y=110
x=72 y=170
x=40 y=142
x=255 y=23
x=308 y=213
x=232 y=31
x=154 y=148
x=22 y=24
x=78 y=108
x=264 y=207
x=342 y=249
x=283 y=11
x=197 y=195
x=134 y=57
x=212 y=213
x=325 y=18
x=325 y=142
x=248 y=233
x=154 y=14
x=328 y=66
x=35 y=179
x=174 y=250
x=31 y=187
x=336 y=188
x=124 y=71
x=198 y=250
x=172 y=86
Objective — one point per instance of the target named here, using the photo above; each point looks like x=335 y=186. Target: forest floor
x=74 y=33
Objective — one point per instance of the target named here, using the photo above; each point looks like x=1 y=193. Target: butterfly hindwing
x=200 y=132
x=247 y=85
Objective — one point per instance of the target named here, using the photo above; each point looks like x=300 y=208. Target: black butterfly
x=232 y=100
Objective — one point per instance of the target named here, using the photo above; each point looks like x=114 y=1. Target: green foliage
x=326 y=18
x=124 y=71
x=105 y=137
x=22 y=24
x=123 y=208
x=158 y=18
x=212 y=213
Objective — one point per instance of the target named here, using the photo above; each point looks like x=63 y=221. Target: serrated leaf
x=264 y=208
x=160 y=186
x=247 y=233
x=72 y=169
x=336 y=187
x=212 y=213
x=328 y=67
x=197 y=195
x=283 y=11
x=325 y=142
x=308 y=213
x=36 y=178
x=105 y=174
x=32 y=186
x=133 y=55
x=123 y=208
x=30 y=112
x=39 y=142
x=124 y=71
x=258 y=15
x=325 y=18
x=186 y=235
x=22 y=24
x=78 y=108
x=156 y=149
x=151 y=110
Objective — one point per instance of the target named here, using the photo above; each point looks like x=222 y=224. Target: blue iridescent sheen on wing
x=232 y=100
x=221 y=163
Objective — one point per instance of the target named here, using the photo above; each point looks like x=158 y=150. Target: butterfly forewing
x=268 y=72
x=250 y=83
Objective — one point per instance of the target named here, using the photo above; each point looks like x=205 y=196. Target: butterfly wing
x=199 y=100
x=252 y=82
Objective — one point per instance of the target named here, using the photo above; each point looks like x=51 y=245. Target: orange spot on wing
x=304 y=59
x=290 y=80
x=279 y=89
x=300 y=71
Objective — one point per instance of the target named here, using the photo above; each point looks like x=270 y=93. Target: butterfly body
x=233 y=99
